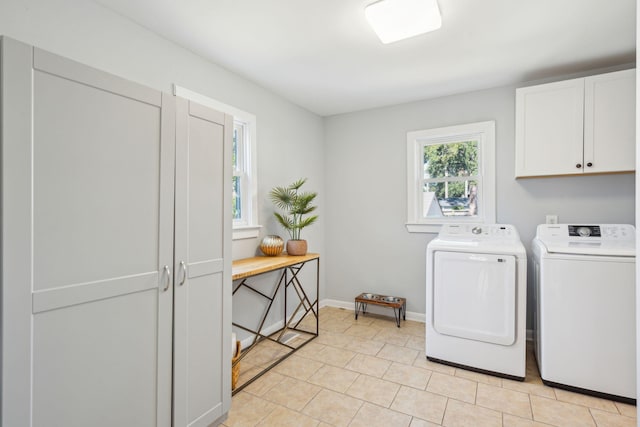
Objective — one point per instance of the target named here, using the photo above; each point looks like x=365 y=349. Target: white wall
x=289 y=138
x=367 y=245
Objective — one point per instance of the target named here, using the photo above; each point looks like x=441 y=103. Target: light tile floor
x=370 y=373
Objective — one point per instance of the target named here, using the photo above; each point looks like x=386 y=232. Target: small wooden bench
x=398 y=304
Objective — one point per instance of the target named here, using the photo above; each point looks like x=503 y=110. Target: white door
x=474 y=296
x=87 y=231
x=202 y=365
x=549 y=129
x=609 y=122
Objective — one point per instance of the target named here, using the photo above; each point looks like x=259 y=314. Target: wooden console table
x=290 y=266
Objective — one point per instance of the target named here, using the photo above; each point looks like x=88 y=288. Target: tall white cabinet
x=116 y=266
x=202 y=289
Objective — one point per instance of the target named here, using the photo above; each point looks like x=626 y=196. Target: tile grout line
x=533 y=416
x=595 y=423
x=446 y=406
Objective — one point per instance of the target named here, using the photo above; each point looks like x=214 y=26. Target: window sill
x=246 y=232
x=423 y=228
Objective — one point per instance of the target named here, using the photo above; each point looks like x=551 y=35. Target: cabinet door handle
x=578 y=165
x=183 y=266
x=589 y=164
x=167 y=270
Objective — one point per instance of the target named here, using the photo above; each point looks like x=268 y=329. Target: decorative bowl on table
x=272 y=245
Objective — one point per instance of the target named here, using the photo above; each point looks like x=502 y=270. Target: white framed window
x=451 y=176
x=241 y=155
x=245 y=178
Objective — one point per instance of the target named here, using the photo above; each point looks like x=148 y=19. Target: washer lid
x=588 y=239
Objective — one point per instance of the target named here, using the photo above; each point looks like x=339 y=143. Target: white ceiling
x=323 y=56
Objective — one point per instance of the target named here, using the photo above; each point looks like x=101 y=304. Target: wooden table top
x=248 y=267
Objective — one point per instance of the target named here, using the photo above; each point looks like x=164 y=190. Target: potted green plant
x=296 y=204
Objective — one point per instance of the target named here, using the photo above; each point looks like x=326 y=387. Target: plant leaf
x=296 y=185
x=282 y=197
x=307 y=221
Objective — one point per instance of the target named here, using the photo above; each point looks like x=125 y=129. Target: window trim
x=484 y=133
x=249 y=228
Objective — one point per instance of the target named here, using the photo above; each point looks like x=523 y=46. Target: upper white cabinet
x=578 y=126
x=610 y=122
x=116 y=268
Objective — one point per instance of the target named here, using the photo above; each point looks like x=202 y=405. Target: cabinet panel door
x=202 y=355
x=100 y=229
x=609 y=127
x=549 y=129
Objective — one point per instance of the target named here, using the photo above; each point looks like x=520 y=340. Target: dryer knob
x=476 y=230
x=584 y=232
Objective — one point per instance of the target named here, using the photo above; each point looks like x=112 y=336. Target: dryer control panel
x=479 y=231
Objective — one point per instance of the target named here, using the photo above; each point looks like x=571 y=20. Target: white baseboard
x=268 y=330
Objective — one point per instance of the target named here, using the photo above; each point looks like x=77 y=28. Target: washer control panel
x=588 y=239
x=583 y=232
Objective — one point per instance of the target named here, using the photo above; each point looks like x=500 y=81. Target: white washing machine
x=476 y=299
x=584 y=319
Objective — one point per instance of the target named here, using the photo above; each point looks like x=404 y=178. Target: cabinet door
x=87 y=229
x=609 y=127
x=549 y=129
x=202 y=350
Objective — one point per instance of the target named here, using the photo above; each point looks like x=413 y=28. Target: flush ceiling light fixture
x=394 y=20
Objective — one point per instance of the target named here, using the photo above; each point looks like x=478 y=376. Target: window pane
x=237 y=198
x=451 y=159
x=458 y=198
x=239 y=201
x=234 y=151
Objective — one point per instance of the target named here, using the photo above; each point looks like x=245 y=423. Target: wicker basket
x=235 y=367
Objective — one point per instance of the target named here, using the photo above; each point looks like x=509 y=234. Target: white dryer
x=476 y=299
x=584 y=318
